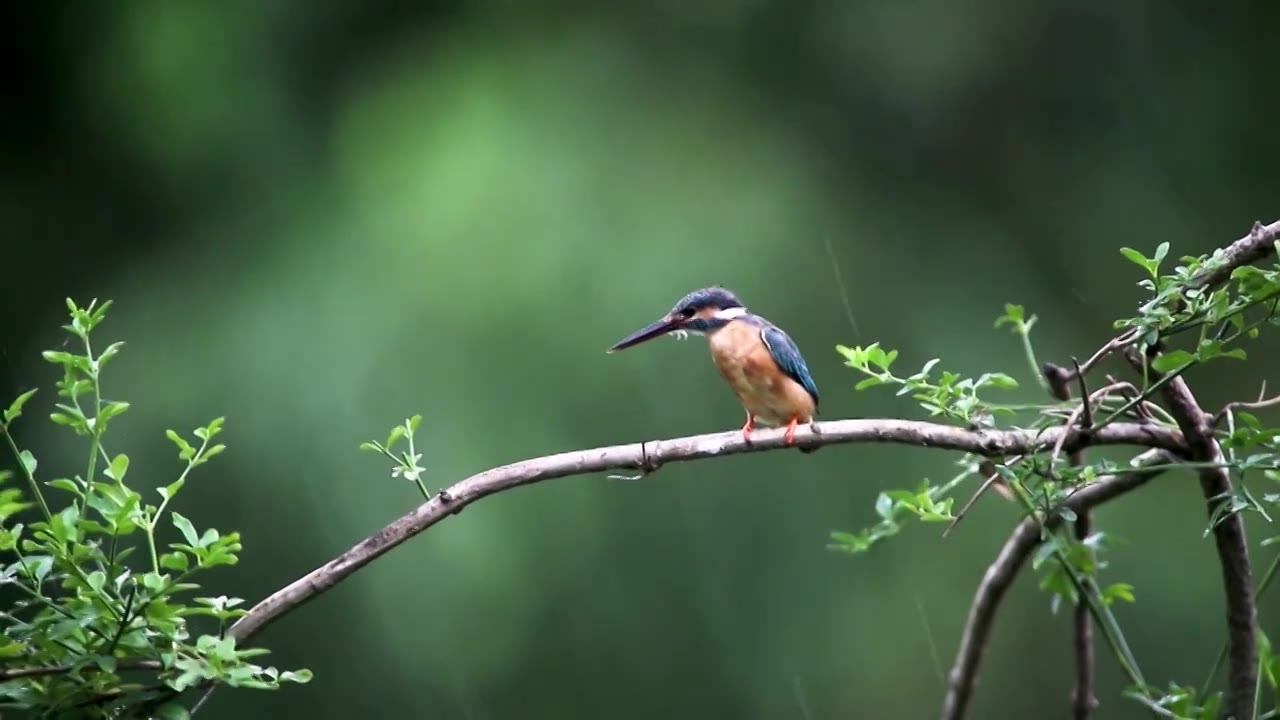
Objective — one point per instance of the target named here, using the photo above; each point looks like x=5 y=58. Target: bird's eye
x=687 y=313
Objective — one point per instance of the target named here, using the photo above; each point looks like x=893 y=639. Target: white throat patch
x=725 y=314
x=730 y=313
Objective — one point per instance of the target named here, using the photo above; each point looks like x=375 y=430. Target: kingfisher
x=760 y=362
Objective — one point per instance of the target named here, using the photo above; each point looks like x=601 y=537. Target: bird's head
x=699 y=312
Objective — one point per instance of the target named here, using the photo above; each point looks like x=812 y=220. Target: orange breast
x=764 y=390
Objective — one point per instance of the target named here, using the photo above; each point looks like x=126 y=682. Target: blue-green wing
x=787 y=355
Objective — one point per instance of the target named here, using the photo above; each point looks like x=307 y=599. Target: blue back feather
x=787 y=355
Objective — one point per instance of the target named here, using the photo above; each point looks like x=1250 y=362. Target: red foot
x=746 y=429
x=790 y=437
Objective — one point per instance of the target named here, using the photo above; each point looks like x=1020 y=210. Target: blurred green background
x=318 y=218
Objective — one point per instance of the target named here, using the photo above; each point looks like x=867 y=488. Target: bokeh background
x=318 y=218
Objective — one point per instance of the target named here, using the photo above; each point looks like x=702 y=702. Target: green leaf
x=168 y=491
x=58 y=357
x=175 y=561
x=39 y=565
x=112 y=409
x=397 y=432
x=109 y=352
x=153 y=582
x=1211 y=705
x=96 y=580
x=64 y=524
x=186 y=528
x=190 y=676
x=64 y=419
x=1013 y=315
x=1139 y=259
x=65 y=484
x=119 y=466
x=15 y=407
x=214 y=427
x=1172 y=360
x=1161 y=251
x=28 y=462
x=884 y=506
x=868 y=382
x=11 y=648
x=1118 y=591
x=301 y=675
x=171 y=711
x=1002 y=381
x=185 y=451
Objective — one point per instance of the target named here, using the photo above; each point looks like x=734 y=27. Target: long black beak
x=660 y=327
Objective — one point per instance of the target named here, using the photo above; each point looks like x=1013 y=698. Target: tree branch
x=1083 y=699
x=1229 y=537
x=1258 y=244
x=649 y=456
x=26 y=672
x=1000 y=574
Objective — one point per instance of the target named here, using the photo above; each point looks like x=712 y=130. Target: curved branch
x=649 y=456
x=1229 y=539
x=1000 y=574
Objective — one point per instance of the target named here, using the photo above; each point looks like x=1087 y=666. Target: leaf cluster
x=109 y=622
x=1183 y=323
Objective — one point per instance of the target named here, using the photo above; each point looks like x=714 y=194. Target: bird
x=759 y=361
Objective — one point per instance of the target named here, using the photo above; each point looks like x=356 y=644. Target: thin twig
x=204 y=700
x=26 y=672
x=1116 y=343
x=1229 y=538
x=993 y=478
x=1262 y=402
x=1000 y=574
x=1083 y=699
x=1076 y=415
x=1086 y=422
x=1145 y=411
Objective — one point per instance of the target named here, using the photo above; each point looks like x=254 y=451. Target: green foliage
x=406 y=463
x=99 y=632
x=950 y=395
x=1210 y=324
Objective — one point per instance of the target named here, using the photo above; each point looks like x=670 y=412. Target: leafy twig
x=1002 y=571
x=27 y=463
